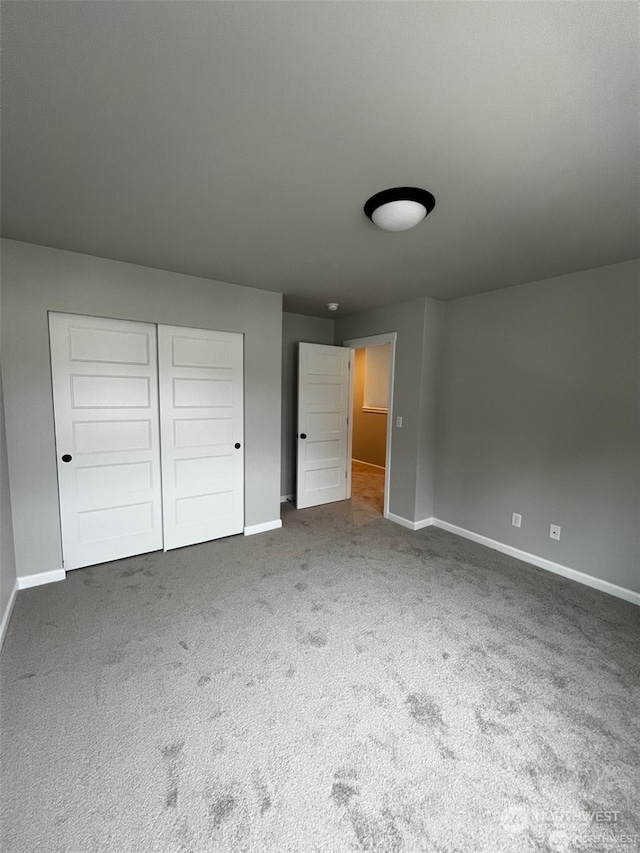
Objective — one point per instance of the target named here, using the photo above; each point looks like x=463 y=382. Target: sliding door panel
x=201 y=423
x=105 y=398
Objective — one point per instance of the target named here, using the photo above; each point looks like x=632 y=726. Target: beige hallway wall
x=369 y=428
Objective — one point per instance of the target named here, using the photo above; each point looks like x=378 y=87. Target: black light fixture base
x=423 y=197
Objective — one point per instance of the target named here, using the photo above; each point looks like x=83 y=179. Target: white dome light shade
x=398 y=215
x=399 y=209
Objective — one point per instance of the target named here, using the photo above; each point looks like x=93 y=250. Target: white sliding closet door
x=201 y=415
x=105 y=393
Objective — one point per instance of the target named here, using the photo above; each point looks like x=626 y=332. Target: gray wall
x=37 y=279
x=417 y=325
x=295 y=328
x=539 y=415
x=7 y=556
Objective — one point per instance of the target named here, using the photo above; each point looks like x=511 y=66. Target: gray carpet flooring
x=342 y=684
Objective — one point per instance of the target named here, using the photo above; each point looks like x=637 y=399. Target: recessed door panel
x=110 y=392
x=97 y=480
x=101 y=525
x=202 y=393
x=202 y=432
x=318 y=479
x=201 y=471
x=111 y=436
x=325 y=364
x=327 y=423
x=198 y=510
x=322 y=451
x=199 y=352
x=324 y=397
x=108 y=345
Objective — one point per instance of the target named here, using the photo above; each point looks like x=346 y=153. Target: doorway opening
x=370 y=418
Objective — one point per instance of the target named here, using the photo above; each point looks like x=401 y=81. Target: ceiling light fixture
x=332 y=306
x=400 y=208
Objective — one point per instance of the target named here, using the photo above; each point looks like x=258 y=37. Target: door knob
x=237 y=445
x=303 y=435
x=67 y=457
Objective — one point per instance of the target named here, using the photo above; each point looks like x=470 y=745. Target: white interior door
x=201 y=417
x=323 y=425
x=105 y=398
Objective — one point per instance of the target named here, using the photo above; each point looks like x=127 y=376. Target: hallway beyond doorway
x=367 y=485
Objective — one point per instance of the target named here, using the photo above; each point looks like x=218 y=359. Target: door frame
x=360 y=343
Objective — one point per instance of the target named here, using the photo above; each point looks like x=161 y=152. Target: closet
x=149 y=433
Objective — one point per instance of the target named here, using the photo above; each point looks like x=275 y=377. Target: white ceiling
x=240 y=140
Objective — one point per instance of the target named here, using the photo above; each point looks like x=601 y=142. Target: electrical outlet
x=516 y=519
x=399 y=421
x=554 y=531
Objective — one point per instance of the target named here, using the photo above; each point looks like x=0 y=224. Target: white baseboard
x=262 y=528
x=411 y=525
x=6 y=616
x=285 y=498
x=542 y=563
x=27 y=581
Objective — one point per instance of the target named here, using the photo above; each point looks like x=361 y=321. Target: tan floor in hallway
x=367 y=485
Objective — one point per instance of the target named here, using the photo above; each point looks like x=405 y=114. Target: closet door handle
x=67 y=457
x=237 y=445
x=303 y=435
